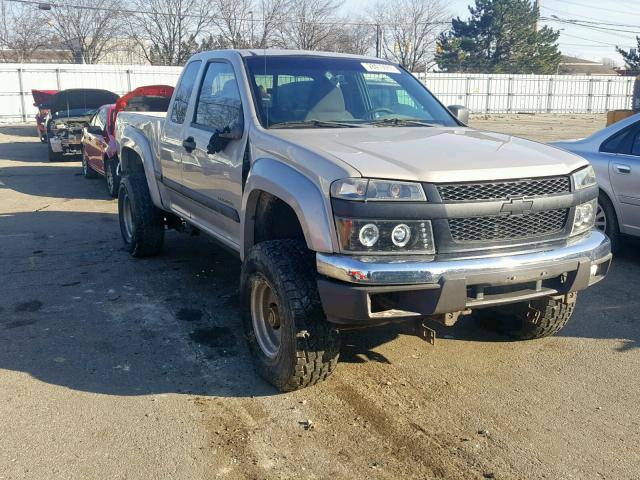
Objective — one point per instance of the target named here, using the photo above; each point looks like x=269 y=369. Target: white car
x=614 y=153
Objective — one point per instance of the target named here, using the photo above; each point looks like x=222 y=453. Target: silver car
x=614 y=153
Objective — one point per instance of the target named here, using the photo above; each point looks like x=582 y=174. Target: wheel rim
x=601 y=219
x=127 y=217
x=108 y=175
x=265 y=316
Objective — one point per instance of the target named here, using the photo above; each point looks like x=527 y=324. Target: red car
x=41 y=97
x=99 y=148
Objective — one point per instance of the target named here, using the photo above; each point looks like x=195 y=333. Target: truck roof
x=270 y=52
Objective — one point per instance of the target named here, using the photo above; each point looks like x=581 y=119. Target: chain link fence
x=482 y=94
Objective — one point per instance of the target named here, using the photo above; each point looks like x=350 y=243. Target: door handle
x=189 y=144
x=622 y=168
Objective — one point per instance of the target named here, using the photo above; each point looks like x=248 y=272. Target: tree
x=169 y=31
x=499 y=37
x=309 y=24
x=631 y=57
x=355 y=38
x=86 y=31
x=26 y=33
x=410 y=30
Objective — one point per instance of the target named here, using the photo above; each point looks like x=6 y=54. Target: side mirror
x=461 y=112
x=95 y=130
x=222 y=137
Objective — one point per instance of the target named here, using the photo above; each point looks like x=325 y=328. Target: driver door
x=212 y=179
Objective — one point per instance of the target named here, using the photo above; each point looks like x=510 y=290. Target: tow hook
x=425 y=333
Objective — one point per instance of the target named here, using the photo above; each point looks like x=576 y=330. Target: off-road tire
x=147 y=220
x=111 y=170
x=538 y=318
x=87 y=171
x=53 y=156
x=612 y=228
x=309 y=345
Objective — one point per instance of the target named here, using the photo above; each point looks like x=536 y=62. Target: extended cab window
x=183 y=93
x=218 y=105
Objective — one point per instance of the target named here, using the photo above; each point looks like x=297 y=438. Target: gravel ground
x=118 y=368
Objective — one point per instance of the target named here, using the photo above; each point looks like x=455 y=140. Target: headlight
x=385 y=236
x=584 y=218
x=584 y=178
x=367 y=189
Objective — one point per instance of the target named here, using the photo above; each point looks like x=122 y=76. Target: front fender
x=296 y=190
x=133 y=140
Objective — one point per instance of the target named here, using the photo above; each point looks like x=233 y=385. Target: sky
x=588 y=43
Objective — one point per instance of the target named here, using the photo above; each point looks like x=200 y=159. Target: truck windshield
x=326 y=92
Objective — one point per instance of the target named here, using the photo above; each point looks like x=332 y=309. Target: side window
x=97 y=119
x=183 y=93
x=635 y=146
x=102 y=116
x=219 y=105
x=619 y=143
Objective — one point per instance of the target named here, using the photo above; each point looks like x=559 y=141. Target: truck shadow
x=21 y=130
x=79 y=312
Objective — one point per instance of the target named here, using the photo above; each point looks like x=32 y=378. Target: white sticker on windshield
x=380 y=68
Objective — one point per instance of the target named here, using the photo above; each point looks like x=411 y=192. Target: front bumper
x=366 y=289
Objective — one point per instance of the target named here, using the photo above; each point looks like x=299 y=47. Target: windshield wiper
x=313 y=124
x=401 y=122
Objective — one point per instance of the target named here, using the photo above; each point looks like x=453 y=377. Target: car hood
x=80 y=98
x=433 y=154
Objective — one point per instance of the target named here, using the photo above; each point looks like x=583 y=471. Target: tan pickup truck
x=355 y=198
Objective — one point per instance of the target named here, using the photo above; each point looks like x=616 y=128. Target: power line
x=249 y=19
x=577 y=4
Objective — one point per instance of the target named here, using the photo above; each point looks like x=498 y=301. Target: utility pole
x=536 y=9
x=378 y=39
x=5 y=34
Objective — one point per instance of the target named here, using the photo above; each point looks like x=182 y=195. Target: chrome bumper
x=593 y=247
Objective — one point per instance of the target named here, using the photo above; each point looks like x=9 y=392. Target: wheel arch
x=278 y=182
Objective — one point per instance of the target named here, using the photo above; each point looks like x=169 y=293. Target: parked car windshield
x=324 y=92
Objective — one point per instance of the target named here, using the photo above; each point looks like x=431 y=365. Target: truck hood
x=431 y=154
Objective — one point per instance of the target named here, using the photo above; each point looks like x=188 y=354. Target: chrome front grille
x=504 y=190
x=508 y=227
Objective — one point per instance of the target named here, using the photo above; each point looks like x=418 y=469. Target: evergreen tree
x=499 y=37
x=632 y=57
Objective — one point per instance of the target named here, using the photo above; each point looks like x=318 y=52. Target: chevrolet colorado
x=355 y=198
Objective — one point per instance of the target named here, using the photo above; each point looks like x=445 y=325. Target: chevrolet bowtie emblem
x=516 y=206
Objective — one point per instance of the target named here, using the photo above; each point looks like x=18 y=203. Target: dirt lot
x=114 y=368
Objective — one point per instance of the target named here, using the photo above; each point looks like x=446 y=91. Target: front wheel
x=141 y=222
x=53 y=156
x=538 y=318
x=292 y=344
x=87 y=171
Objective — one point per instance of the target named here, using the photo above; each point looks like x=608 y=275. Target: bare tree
x=168 y=31
x=235 y=21
x=410 y=29
x=86 y=31
x=26 y=32
x=309 y=24
x=357 y=38
x=273 y=13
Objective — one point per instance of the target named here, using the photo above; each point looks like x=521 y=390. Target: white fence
x=483 y=94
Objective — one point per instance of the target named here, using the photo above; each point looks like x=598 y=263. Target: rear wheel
x=141 y=222
x=538 y=318
x=292 y=343
x=111 y=176
x=607 y=221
